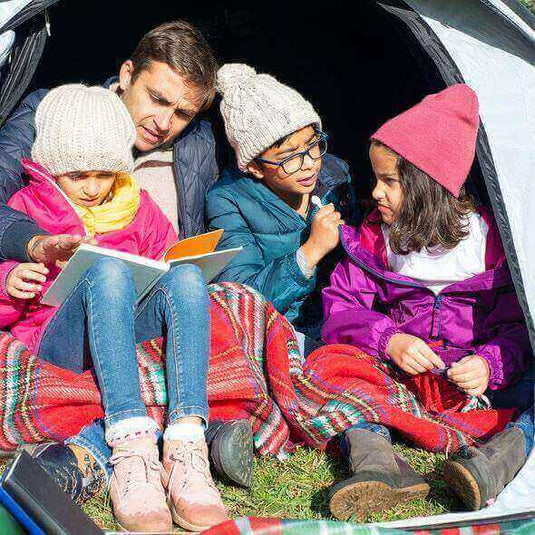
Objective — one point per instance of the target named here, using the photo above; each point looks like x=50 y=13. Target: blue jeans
x=101 y=321
x=525 y=423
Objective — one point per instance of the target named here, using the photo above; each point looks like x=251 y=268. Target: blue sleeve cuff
x=16 y=238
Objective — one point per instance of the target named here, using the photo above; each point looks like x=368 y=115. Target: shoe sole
x=238 y=470
x=124 y=530
x=361 y=498
x=463 y=484
x=184 y=523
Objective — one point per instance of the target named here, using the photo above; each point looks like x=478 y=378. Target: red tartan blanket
x=256 y=372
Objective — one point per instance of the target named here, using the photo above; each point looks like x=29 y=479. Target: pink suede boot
x=136 y=489
x=193 y=498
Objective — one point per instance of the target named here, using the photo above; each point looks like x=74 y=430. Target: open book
x=198 y=250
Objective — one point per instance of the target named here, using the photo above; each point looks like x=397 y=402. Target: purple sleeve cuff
x=496 y=378
x=384 y=340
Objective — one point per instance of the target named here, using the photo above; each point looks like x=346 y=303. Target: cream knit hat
x=258 y=110
x=80 y=128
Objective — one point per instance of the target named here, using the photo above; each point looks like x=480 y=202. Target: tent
x=360 y=64
x=23 y=32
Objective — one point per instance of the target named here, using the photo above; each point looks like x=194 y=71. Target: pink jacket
x=366 y=304
x=149 y=235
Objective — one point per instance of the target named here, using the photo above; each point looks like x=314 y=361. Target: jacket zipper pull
x=435 y=328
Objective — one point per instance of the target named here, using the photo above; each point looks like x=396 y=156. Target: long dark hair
x=429 y=214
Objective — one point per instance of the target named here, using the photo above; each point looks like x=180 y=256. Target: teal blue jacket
x=270 y=233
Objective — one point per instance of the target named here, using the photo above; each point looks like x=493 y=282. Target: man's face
x=160 y=101
x=302 y=181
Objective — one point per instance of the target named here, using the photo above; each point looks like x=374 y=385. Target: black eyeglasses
x=293 y=163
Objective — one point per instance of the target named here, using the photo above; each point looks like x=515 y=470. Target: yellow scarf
x=115 y=214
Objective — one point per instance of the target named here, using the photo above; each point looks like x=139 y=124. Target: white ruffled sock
x=184 y=431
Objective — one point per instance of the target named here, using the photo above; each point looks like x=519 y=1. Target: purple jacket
x=366 y=304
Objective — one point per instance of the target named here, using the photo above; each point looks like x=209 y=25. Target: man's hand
x=52 y=249
x=21 y=281
x=412 y=354
x=471 y=374
x=324 y=235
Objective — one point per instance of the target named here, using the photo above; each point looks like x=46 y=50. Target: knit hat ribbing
x=438 y=135
x=80 y=128
x=258 y=110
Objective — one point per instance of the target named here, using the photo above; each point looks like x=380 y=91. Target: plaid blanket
x=276 y=526
x=256 y=372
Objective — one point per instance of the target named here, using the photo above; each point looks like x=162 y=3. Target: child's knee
x=187 y=279
x=112 y=274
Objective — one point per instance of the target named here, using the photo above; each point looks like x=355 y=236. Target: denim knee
x=112 y=277
x=185 y=281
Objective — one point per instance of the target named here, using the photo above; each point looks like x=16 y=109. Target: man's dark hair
x=429 y=214
x=184 y=49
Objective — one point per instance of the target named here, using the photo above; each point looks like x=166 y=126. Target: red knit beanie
x=438 y=135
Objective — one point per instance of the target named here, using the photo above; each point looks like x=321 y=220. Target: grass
x=297 y=488
x=530 y=4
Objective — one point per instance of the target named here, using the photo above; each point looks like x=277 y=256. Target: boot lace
x=191 y=457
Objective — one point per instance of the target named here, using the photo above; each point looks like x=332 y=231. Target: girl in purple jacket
x=425 y=284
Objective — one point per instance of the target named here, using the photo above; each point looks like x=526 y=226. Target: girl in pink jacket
x=80 y=185
x=426 y=286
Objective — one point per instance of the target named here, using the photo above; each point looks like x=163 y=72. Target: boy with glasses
x=285 y=200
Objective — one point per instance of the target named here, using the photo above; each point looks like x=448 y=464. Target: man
x=168 y=81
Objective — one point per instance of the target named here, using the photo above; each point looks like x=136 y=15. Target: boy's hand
x=471 y=374
x=21 y=281
x=324 y=236
x=52 y=249
x=412 y=354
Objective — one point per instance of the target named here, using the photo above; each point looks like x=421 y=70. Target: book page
x=211 y=264
x=144 y=272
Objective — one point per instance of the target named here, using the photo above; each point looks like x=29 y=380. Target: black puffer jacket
x=195 y=172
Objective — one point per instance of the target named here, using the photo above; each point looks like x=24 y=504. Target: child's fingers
x=423 y=360
x=432 y=357
x=21 y=295
x=26 y=286
x=420 y=364
x=30 y=275
x=457 y=376
x=410 y=369
x=325 y=211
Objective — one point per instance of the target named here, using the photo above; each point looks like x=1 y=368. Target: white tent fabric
x=6 y=43
x=497 y=57
x=10 y=8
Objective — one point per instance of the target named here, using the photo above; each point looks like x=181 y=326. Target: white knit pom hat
x=80 y=128
x=258 y=110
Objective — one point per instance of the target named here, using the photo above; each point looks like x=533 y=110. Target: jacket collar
x=258 y=190
x=366 y=247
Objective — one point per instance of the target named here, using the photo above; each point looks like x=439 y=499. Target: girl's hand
x=21 y=281
x=471 y=374
x=324 y=235
x=412 y=354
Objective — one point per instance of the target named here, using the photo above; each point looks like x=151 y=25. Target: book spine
x=20 y=514
x=38 y=514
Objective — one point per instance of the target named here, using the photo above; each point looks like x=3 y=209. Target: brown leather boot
x=380 y=480
x=480 y=474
